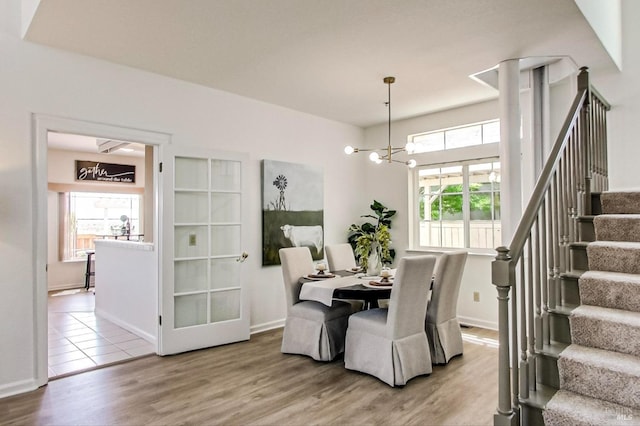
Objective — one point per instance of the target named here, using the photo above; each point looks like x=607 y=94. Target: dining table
x=346 y=285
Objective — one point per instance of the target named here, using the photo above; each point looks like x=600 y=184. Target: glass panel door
x=204 y=295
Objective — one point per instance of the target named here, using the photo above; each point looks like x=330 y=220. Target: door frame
x=41 y=125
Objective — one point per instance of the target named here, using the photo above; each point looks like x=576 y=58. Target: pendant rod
x=389 y=81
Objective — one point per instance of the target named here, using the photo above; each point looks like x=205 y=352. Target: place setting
x=384 y=280
x=321 y=273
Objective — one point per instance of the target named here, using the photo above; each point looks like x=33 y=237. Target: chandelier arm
x=385 y=154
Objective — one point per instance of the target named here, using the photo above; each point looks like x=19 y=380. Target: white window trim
x=414 y=221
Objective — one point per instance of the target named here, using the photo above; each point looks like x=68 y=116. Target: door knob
x=242 y=257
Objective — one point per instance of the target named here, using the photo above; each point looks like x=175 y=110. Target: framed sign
x=105 y=172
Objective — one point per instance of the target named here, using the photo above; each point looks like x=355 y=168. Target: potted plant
x=371 y=241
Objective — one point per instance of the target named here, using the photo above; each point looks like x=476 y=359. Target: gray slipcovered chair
x=391 y=343
x=340 y=257
x=441 y=324
x=311 y=328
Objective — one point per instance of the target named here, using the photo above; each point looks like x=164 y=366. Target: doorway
x=83 y=317
x=82 y=208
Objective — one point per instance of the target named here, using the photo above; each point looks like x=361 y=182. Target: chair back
x=296 y=262
x=408 y=304
x=340 y=257
x=446 y=287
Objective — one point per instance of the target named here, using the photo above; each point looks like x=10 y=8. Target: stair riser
x=586 y=230
x=531 y=416
x=602 y=334
x=547 y=371
x=613 y=259
x=579 y=259
x=588 y=380
x=596 y=203
x=570 y=290
x=559 y=328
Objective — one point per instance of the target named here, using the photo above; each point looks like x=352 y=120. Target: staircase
x=568 y=287
x=599 y=371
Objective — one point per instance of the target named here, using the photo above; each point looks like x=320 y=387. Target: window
x=88 y=215
x=457 y=137
x=459 y=205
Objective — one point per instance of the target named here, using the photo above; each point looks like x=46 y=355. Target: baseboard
x=259 y=328
x=476 y=322
x=16 y=388
x=130 y=328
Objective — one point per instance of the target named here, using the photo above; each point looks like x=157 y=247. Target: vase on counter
x=374 y=263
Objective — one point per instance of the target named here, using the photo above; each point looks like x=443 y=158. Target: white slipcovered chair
x=311 y=328
x=391 y=343
x=443 y=329
x=340 y=257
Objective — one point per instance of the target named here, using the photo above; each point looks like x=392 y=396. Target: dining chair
x=340 y=257
x=441 y=324
x=391 y=343
x=311 y=328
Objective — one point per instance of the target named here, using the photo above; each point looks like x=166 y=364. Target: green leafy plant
x=365 y=236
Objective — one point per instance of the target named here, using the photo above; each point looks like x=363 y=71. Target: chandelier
x=386 y=154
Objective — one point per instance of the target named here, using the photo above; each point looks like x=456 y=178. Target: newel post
x=503 y=277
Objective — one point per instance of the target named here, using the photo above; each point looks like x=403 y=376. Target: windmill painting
x=292 y=209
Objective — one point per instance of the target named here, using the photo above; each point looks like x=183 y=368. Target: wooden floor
x=252 y=383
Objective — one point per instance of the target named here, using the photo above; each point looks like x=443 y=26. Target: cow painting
x=292 y=209
x=304 y=236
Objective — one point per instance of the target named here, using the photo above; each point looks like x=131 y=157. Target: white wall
x=622 y=91
x=604 y=18
x=61 y=170
x=37 y=79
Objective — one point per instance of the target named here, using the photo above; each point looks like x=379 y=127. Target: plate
x=355 y=270
x=320 y=276
x=377 y=284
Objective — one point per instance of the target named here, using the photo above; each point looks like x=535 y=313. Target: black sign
x=105 y=172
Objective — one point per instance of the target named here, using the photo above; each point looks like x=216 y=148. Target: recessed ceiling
x=82 y=143
x=325 y=57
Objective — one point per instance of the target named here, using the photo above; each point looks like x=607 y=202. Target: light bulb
x=410 y=147
x=374 y=156
x=349 y=150
x=411 y=163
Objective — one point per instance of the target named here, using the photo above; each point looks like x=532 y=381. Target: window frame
x=485 y=152
x=414 y=214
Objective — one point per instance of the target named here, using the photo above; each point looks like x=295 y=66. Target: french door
x=204 y=297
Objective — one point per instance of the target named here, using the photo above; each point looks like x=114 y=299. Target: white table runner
x=322 y=291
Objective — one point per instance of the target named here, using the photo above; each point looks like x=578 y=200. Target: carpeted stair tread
x=606 y=328
x=601 y=374
x=610 y=290
x=617 y=227
x=571 y=409
x=614 y=256
x=620 y=202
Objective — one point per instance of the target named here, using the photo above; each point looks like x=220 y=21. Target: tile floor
x=80 y=341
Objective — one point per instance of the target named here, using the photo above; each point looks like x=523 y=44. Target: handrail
x=527 y=273
x=539 y=192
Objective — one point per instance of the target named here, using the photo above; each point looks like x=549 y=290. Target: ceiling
x=325 y=57
x=68 y=142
